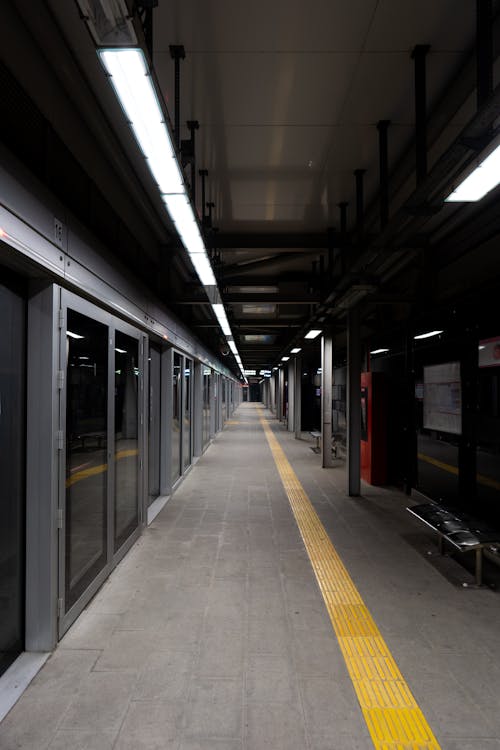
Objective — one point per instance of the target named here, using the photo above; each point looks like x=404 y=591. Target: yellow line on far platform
x=392 y=715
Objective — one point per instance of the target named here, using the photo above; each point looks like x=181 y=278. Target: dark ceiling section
x=319 y=139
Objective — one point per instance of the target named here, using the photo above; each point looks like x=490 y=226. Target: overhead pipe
x=418 y=55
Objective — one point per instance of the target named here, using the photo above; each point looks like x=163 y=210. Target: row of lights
x=131 y=79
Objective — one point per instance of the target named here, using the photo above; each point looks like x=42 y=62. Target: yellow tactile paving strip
x=93 y=471
x=393 y=718
x=481 y=478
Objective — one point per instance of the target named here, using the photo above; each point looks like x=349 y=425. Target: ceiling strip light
x=134 y=87
x=427 y=335
x=312 y=333
x=484 y=178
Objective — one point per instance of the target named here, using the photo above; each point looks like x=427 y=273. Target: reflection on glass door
x=86 y=449
x=186 y=413
x=126 y=500
x=12 y=471
x=176 y=418
x=154 y=423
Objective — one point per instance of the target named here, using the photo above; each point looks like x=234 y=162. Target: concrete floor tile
x=150 y=725
x=33 y=721
x=330 y=707
x=221 y=654
x=163 y=676
x=214 y=710
x=63 y=672
x=270 y=635
x=91 y=630
x=318 y=655
x=100 y=704
x=276 y=726
x=126 y=651
x=211 y=745
x=270 y=679
x=66 y=739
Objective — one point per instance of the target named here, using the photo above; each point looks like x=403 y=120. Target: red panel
x=374 y=448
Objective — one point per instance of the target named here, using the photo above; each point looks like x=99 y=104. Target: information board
x=443 y=398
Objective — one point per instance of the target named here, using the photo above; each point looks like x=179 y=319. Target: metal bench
x=462 y=532
x=317 y=448
x=317 y=435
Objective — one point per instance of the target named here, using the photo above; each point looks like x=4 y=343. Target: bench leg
x=479 y=567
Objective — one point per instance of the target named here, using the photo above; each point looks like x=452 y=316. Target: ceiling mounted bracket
x=177 y=53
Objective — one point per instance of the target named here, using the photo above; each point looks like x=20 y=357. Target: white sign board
x=489 y=353
x=443 y=398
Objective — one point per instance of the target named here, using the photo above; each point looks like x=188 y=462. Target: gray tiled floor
x=212 y=634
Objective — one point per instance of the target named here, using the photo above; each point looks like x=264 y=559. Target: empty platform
x=233 y=624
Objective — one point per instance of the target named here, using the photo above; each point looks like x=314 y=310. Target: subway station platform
x=233 y=624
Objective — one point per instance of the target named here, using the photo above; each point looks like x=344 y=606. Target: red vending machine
x=374 y=427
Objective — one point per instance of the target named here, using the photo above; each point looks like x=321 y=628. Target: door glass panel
x=12 y=469
x=126 y=437
x=154 y=423
x=176 y=418
x=86 y=453
x=186 y=429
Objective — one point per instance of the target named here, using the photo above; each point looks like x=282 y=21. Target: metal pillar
x=353 y=402
x=213 y=403
x=298 y=396
x=291 y=396
x=484 y=51
x=418 y=55
x=326 y=399
x=382 y=127
x=281 y=393
x=193 y=126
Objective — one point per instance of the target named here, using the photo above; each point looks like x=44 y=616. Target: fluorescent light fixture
x=232 y=346
x=379 y=351
x=203 y=269
x=427 y=335
x=120 y=351
x=249 y=372
x=296 y=350
x=130 y=78
x=181 y=213
x=221 y=316
x=312 y=333
x=88 y=357
x=109 y=22
x=484 y=178
x=285 y=359
x=74 y=335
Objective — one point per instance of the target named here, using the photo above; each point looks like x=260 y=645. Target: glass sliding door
x=86 y=453
x=12 y=473
x=186 y=413
x=176 y=417
x=154 y=423
x=126 y=459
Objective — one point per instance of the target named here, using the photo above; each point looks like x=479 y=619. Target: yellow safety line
x=392 y=715
x=94 y=470
x=481 y=478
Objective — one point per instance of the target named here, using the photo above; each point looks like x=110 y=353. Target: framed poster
x=443 y=398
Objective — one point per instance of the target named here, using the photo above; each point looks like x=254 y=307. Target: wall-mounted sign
x=489 y=353
x=443 y=398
